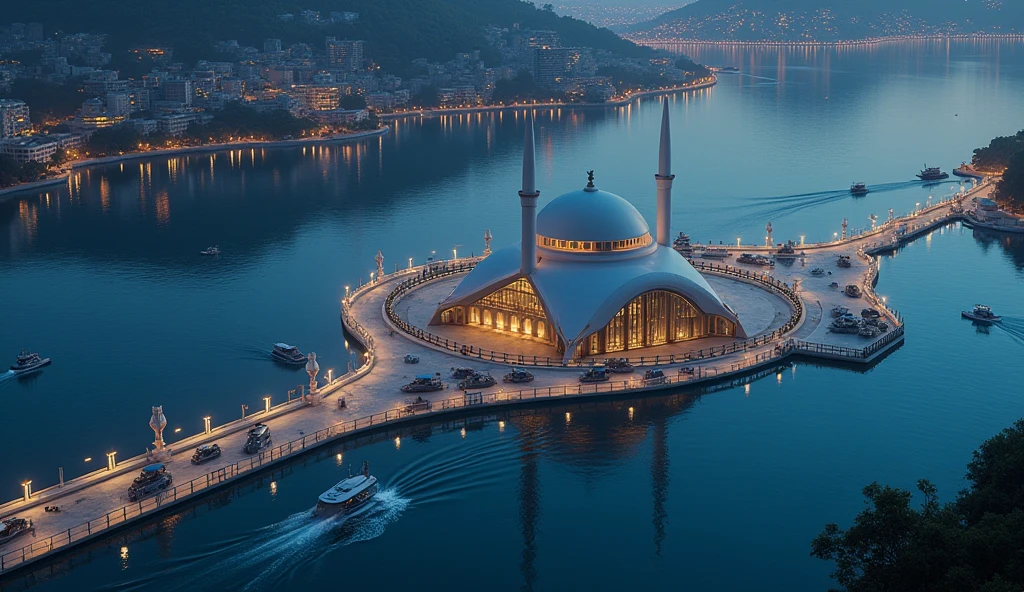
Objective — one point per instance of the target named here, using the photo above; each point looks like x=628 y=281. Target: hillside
x=395 y=31
x=830 y=20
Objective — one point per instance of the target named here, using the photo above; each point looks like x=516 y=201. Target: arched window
x=542 y=330
x=527 y=326
x=499 y=321
x=513 y=323
x=474 y=315
x=487 y=317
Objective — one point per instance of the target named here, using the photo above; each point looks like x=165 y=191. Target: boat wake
x=1013 y=327
x=783 y=205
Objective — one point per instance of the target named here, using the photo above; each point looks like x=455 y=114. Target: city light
x=26 y=487
x=206 y=425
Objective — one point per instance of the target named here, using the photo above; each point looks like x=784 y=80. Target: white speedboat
x=981 y=313
x=29 y=362
x=349 y=493
x=289 y=354
x=210 y=251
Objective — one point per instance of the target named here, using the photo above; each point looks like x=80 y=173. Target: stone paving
x=378 y=389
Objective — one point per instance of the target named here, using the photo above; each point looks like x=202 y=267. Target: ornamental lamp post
x=26 y=487
x=266 y=404
x=206 y=425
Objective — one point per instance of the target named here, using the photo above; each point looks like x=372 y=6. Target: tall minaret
x=528 y=200
x=664 y=180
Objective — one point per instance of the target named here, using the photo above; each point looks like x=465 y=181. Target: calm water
x=106 y=279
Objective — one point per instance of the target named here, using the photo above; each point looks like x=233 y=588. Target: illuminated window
x=499 y=321
x=591 y=246
x=542 y=330
x=513 y=323
x=487 y=318
x=474 y=315
x=527 y=326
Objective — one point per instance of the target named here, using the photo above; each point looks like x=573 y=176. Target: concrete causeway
x=93 y=505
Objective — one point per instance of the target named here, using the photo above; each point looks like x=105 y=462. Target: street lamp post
x=206 y=425
x=111 y=460
x=410 y=262
x=27 y=489
x=266 y=404
x=244 y=408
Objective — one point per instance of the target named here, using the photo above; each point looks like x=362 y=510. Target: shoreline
x=516 y=107
x=839 y=43
x=8 y=192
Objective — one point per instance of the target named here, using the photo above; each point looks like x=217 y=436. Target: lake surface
x=105 y=277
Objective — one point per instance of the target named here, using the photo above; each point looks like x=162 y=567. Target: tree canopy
x=996 y=156
x=975 y=542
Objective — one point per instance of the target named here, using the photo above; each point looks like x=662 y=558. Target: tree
x=973 y=543
x=113 y=140
x=996 y=156
x=1011 y=188
x=59 y=157
x=356 y=101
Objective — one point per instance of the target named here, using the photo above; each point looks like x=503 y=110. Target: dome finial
x=590 y=179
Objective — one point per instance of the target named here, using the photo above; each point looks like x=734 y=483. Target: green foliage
x=1011 y=188
x=522 y=87
x=46 y=101
x=240 y=121
x=974 y=543
x=112 y=140
x=11 y=173
x=353 y=102
x=996 y=156
x=425 y=98
x=59 y=157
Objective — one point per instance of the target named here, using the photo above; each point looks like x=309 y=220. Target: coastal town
x=83 y=107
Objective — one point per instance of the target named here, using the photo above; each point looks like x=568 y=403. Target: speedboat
x=210 y=251
x=932 y=174
x=981 y=313
x=29 y=362
x=477 y=380
x=289 y=354
x=859 y=189
x=12 y=527
x=348 y=494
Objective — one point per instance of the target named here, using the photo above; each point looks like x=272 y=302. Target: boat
x=968 y=171
x=153 y=479
x=682 y=245
x=868 y=331
x=845 y=324
x=618 y=366
x=517 y=375
x=844 y=261
x=424 y=383
x=461 y=373
x=29 y=362
x=859 y=189
x=817 y=272
x=348 y=494
x=210 y=251
x=714 y=253
x=12 y=527
x=852 y=290
x=289 y=354
x=787 y=251
x=982 y=314
x=752 y=259
x=654 y=377
x=478 y=381
x=932 y=174
x=205 y=452
x=258 y=439
x=839 y=311
x=595 y=374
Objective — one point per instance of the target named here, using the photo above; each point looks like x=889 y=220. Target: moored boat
x=932 y=174
x=753 y=259
x=348 y=494
x=787 y=251
x=477 y=380
x=981 y=313
x=288 y=354
x=682 y=245
x=29 y=362
x=595 y=374
x=518 y=375
x=618 y=365
x=714 y=253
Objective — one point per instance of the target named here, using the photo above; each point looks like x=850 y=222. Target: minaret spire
x=528 y=200
x=664 y=180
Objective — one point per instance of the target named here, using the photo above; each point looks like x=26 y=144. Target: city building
x=178 y=91
x=380 y=101
x=144 y=127
x=551 y=65
x=174 y=124
x=320 y=98
x=345 y=54
x=94 y=115
x=588 y=278
x=14 y=119
x=38 y=148
x=118 y=103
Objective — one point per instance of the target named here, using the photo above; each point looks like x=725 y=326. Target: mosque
x=588 y=278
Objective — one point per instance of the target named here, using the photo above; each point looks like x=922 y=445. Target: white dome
x=591 y=215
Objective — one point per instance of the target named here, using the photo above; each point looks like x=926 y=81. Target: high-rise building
x=321 y=98
x=13 y=118
x=345 y=54
x=178 y=91
x=552 y=65
x=118 y=103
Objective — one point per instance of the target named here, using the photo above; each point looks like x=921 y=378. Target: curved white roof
x=580 y=297
x=591 y=215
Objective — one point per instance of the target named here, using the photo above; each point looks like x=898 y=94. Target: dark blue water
x=105 y=278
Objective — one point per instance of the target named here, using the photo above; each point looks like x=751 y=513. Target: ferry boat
x=852 y=290
x=12 y=527
x=787 y=251
x=29 y=362
x=859 y=189
x=348 y=494
x=595 y=374
x=289 y=354
x=517 y=375
x=752 y=259
x=682 y=245
x=210 y=251
x=968 y=171
x=424 y=383
x=982 y=314
x=714 y=253
x=477 y=380
x=932 y=174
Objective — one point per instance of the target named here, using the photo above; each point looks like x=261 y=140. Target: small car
x=205 y=452
x=411 y=359
x=153 y=479
x=259 y=439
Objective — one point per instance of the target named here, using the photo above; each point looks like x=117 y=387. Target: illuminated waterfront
x=314 y=221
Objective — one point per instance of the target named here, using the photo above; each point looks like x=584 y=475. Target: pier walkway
x=96 y=504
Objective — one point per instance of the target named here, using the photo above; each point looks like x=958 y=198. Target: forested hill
x=395 y=31
x=831 y=20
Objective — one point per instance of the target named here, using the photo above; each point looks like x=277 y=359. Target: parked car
x=205 y=452
x=153 y=479
x=258 y=440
